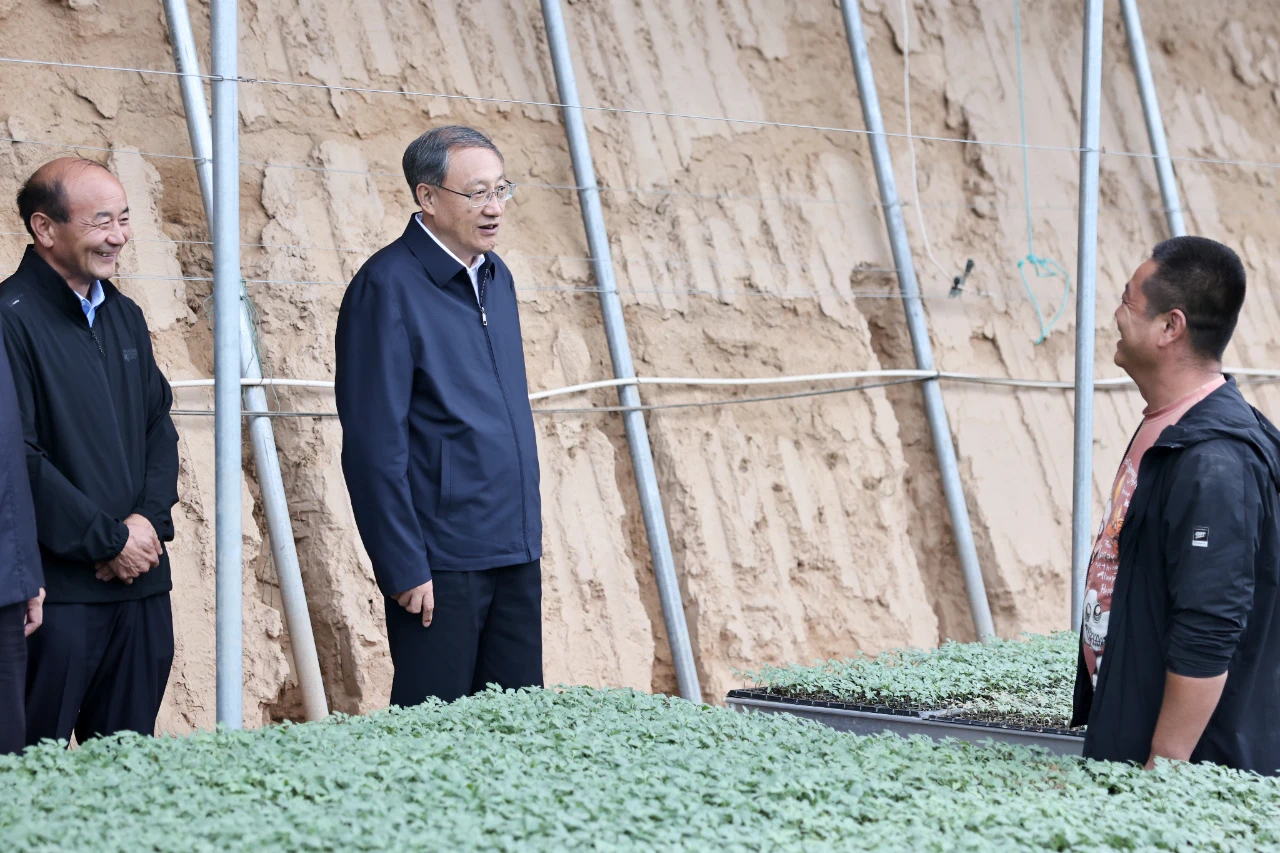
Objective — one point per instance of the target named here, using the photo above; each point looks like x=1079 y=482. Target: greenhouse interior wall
x=802 y=529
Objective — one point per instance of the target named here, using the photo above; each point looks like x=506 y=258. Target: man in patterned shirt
x=1180 y=653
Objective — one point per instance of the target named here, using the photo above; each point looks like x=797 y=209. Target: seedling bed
x=544 y=771
x=938 y=724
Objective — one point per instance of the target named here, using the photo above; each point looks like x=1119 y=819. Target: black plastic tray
x=874 y=719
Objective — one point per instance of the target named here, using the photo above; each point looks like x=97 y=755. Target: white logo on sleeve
x=1200 y=537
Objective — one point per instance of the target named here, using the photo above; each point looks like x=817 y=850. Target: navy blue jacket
x=20 y=575
x=438 y=443
x=100 y=444
x=1196 y=590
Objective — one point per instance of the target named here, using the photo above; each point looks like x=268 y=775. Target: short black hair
x=1206 y=280
x=39 y=195
x=426 y=160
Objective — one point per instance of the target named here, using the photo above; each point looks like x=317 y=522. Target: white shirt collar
x=471 y=270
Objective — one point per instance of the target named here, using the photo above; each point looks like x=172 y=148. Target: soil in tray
x=828 y=700
x=1038 y=722
x=1014 y=720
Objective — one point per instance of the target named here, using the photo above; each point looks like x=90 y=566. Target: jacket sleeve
x=68 y=524
x=21 y=572
x=373 y=382
x=160 y=482
x=1211 y=534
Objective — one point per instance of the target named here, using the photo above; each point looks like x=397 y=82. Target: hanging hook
x=957 y=283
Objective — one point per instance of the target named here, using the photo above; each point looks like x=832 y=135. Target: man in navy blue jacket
x=21 y=580
x=438 y=442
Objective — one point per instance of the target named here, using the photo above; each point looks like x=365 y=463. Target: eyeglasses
x=479 y=198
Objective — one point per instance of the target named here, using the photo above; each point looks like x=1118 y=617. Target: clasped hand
x=140 y=554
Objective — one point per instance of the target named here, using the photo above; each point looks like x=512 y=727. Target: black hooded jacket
x=100 y=444
x=1196 y=590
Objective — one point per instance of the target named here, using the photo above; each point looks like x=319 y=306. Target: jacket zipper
x=515 y=434
x=97 y=341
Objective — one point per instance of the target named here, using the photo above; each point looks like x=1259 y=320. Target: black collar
x=54 y=287
x=440 y=267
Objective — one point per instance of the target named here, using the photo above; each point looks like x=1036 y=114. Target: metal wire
x=1218 y=161
x=805 y=294
x=1023 y=146
x=95 y=148
x=840 y=202
x=367 y=90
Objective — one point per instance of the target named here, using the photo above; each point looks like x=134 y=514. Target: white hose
x=710 y=381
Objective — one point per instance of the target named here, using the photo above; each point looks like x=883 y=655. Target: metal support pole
x=191 y=84
x=1086 y=303
x=226 y=360
x=1155 y=124
x=655 y=521
x=261 y=433
x=917 y=324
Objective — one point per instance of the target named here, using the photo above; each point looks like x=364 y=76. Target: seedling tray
x=874 y=719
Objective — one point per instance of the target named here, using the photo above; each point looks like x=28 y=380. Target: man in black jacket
x=21 y=581
x=438 y=444
x=102 y=459
x=1180 y=647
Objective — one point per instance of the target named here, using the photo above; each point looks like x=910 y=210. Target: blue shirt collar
x=90 y=306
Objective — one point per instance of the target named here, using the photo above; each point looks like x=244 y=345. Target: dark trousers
x=13 y=676
x=97 y=669
x=486 y=628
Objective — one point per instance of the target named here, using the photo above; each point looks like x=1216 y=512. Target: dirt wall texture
x=802 y=528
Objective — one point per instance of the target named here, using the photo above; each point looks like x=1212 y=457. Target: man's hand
x=420 y=599
x=141 y=553
x=35 y=614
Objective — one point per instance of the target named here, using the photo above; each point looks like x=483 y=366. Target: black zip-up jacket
x=1196 y=591
x=95 y=418
x=20 y=575
x=438 y=444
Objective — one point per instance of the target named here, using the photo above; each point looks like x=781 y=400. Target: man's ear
x=42 y=225
x=1175 y=327
x=426 y=198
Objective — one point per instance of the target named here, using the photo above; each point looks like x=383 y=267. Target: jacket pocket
x=446 y=480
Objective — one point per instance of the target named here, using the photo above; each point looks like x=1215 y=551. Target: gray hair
x=426 y=160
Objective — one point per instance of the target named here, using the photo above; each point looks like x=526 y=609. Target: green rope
x=1044 y=267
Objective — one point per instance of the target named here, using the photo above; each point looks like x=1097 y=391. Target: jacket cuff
x=395 y=586
x=1197 y=668
x=161 y=524
x=119 y=538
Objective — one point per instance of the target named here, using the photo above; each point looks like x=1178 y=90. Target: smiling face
x=1140 y=336
x=467 y=231
x=87 y=246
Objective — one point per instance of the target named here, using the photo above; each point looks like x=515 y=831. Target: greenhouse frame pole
x=1155 y=123
x=266 y=459
x=1086 y=304
x=917 y=324
x=226 y=363
x=655 y=522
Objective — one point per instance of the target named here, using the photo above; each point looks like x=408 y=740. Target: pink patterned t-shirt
x=1104 y=562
